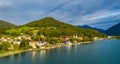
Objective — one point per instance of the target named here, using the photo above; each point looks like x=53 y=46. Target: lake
x=100 y=52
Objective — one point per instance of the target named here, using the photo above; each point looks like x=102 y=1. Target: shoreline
x=47 y=48
x=8 y=53
x=12 y=53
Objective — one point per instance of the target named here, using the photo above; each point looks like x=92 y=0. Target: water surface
x=100 y=52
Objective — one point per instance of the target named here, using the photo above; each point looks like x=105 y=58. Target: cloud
x=76 y=9
x=104 y=25
x=77 y=12
x=4 y=3
x=100 y=15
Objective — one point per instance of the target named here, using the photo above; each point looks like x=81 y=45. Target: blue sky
x=96 y=13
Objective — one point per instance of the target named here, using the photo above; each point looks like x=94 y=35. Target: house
x=65 y=37
x=96 y=38
x=42 y=44
x=17 y=42
x=109 y=37
x=33 y=44
x=67 y=42
x=28 y=38
x=75 y=36
x=42 y=36
x=3 y=39
x=9 y=40
x=80 y=37
x=6 y=39
x=19 y=37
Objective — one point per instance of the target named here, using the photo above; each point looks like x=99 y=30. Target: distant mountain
x=50 y=26
x=86 y=26
x=89 y=27
x=4 y=24
x=114 y=30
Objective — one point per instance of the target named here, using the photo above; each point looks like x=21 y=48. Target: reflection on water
x=7 y=57
x=75 y=48
x=68 y=48
x=17 y=56
x=33 y=54
x=42 y=53
x=23 y=53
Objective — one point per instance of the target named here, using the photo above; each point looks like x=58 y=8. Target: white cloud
x=97 y=17
x=100 y=15
x=4 y=3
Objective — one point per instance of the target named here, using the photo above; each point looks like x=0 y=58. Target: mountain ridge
x=5 y=24
x=89 y=27
x=61 y=27
x=114 y=30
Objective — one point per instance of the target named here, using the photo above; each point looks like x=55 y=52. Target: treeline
x=7 y=46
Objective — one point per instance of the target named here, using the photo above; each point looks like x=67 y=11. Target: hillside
x=48 y=22
x=114 y=30
x=51 y=27
x=89 y=27
x=4 y=24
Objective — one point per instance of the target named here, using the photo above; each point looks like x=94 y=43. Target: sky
x=96 y=13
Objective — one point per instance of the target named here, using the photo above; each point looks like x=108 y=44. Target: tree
x=73 y=40
x=5 y=46
x=13 y=32
x=16 y=46
x=79 y=40
x=85 y=39
x=24 y=44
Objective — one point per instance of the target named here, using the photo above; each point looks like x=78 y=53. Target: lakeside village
x=27 y=42
x=43 y=34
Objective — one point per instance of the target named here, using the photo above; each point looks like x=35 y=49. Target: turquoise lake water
x=100 y=52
